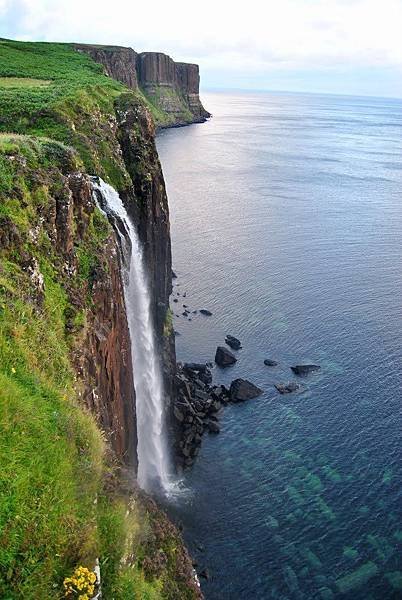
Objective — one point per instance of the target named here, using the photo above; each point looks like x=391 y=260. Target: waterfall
x=152 y=449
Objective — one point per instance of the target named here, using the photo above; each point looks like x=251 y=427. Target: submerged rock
x=204 y=573
x=241 y=390
x=223 y=357
x=205 y=312
x=358 y=578
x=288 y=388
x=213 y=426
x=270 y=363
x=303 y=370
x=233 y=342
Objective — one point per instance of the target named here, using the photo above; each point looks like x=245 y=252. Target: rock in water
x=213 y=427
x=204 y=573
x=223 y=357
x=303 y=370
x=233 y=342
x=200 y=367
x=205 y=312
x=270 y=363
x=288 y=388
x=241 y=389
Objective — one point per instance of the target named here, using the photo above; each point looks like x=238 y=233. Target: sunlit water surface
x=287 y=224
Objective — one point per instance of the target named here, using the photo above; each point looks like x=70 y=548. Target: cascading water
x=152 y=450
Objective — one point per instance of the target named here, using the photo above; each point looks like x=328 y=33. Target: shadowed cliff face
x=103 y=358
x=147 y=204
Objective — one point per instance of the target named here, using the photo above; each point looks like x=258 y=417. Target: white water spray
x=152 y=449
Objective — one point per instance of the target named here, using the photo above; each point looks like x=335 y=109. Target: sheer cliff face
x=171 y=88
x=188 y=81
x=147 y=204
x=119 y=62
x=106 y=363
x=174 y=87
x=102 y=357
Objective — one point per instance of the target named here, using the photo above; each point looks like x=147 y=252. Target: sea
x=286 y=223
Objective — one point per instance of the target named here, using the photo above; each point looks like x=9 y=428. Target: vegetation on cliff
x=61 y=501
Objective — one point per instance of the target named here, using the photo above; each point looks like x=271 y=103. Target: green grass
x=158 y=100
x=121 y=579
x=22 y=82
x=75 y=108
x=51 y=456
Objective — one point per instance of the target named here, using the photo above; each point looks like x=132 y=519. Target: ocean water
x=286 y=215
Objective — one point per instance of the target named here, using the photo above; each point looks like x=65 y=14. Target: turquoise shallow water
x=286 y=223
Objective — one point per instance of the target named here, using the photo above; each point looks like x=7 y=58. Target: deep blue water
x=286 y=218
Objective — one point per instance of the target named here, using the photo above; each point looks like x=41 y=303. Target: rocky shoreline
x=198 y=406
x=199 y=403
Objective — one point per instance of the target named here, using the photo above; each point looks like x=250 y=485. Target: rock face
x=173 y=88
x=188 y=81
x=103 y=360
x=147 y=204
x=119 y=62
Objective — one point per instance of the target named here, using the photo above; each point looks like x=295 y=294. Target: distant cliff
x=172 y=88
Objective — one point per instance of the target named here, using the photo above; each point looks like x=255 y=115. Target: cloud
x=258 y=36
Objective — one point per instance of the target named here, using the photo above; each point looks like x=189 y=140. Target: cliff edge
x=171 y=88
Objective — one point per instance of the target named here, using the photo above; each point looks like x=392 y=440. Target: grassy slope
x=52 y=462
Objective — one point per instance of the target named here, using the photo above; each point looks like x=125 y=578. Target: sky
x=333 y=46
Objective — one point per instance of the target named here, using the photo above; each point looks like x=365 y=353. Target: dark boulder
x=233 y=342
x=288 y=388
x=270 y=363
x=241 y=389
x=303 y=370
x=200 y=367
x=223 y=357
x=206 y=377
x=174 y=276
x=205 y=312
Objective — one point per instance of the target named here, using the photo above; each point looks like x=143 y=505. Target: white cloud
x=254 y=36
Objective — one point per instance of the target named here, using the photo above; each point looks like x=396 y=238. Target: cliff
x=118 y=62
x=171 y=88
x=67 y=409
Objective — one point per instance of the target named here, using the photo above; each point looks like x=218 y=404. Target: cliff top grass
x=36 y=75
x=54 y=91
